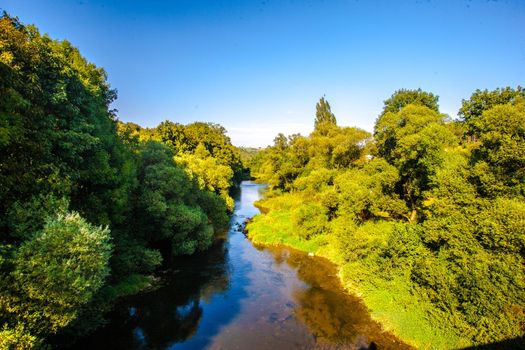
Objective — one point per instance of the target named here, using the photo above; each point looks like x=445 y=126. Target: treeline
x=426 y=217
x=89 y=206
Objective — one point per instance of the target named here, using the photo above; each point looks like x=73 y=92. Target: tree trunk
x=413 y=216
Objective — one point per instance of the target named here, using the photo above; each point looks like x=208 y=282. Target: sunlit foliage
x=430 y=213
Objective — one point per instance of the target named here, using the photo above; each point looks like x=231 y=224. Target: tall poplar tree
x=323 y=114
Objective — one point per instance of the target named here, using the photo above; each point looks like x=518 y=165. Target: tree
x=63 y=149
x=413 y=140
x=174 y=135
x=208 y=173
x=55 y=273
x=58 y=133
x=168 y=210
x=404 y=97
x=323 y=115
x=369 y=192
x=212 y=137
x=459 y=258
x=499 y=158
x=483 y=100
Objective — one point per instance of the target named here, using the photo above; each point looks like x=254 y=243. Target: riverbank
x=390 y=302
x=239 y=295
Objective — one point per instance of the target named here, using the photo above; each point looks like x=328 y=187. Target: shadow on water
x=171 y=317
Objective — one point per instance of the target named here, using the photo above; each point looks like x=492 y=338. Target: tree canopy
x=323 y=115
x=404 y=97
x=88 y=203
x=421 y=213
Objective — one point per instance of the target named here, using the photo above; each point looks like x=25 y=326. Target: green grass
x=130 y=285
x=275 y=229
x=390 y=302
x=399 y=311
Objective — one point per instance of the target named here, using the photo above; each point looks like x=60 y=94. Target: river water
x=238 y=296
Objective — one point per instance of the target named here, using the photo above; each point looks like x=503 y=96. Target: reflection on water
x=236 y=296
x=335 y=319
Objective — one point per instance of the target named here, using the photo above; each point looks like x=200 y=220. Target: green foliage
x=356 y=242
x=429 y=228
x=475 y=284
x=315 y=181
x=293 y=157
x=198 y=137
x=209 y=174
x=404 y=97
x=483 y=100
x=248 y=156
x=54 y=274
x=414 y=141
x=62 y=149
x=17 y=338
x=429 y=225
x=130 y=285
x=248 y=153
x=452 y=191
x=280 y=165
x=499 y=159
x=324 y=118
x=168 y=210
x=369 y=192
x=132 y=256
x=27 y=218
x=501 y=226
x=311 y=219
x=60 y=131
x=277 y=227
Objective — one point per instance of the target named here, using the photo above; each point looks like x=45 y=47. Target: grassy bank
x=131 y=285
x=389 y=297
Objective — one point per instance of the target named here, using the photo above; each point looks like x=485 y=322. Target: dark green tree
x=62 y=149
x=413 y=140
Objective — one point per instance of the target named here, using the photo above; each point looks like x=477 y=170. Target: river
x=238 y=296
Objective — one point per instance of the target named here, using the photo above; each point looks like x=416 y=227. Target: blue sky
x=259 y=67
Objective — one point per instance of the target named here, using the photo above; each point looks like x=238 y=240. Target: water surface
x=237 y=296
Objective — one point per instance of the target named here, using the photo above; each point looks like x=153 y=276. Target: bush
x=311 y=220
x=58 y=271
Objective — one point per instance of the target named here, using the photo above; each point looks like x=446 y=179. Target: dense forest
x=426 y=217
x=90 y=206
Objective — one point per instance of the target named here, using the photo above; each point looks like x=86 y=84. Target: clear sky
x=259 y=67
